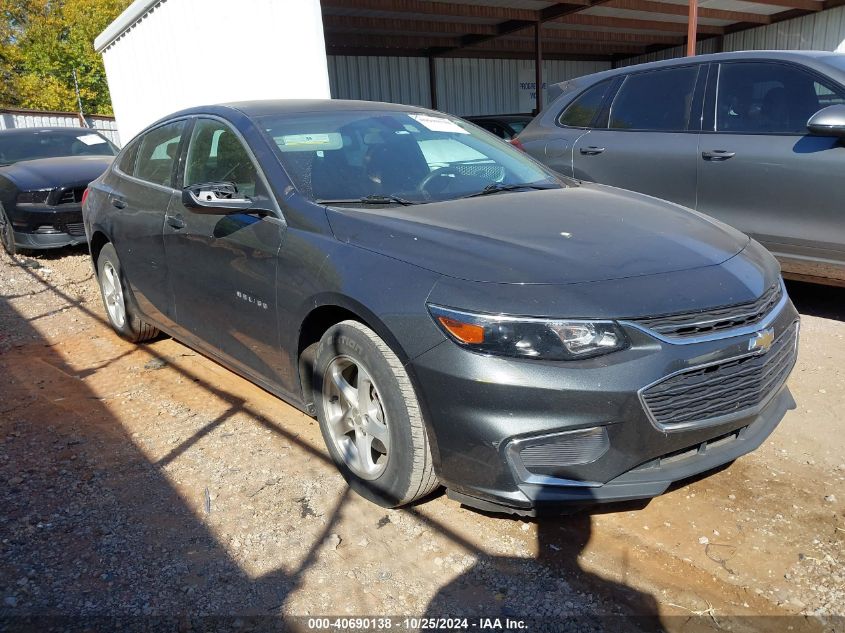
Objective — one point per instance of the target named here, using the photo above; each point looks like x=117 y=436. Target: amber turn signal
x=464 y=332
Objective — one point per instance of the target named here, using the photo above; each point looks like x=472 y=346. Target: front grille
x=71 y=196
x=76 y=229
x=715 y=320
x=698 y=395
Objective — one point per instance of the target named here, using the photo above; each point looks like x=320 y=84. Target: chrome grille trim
x=716 y=335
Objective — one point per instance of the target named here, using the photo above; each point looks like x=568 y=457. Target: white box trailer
x=165 y=55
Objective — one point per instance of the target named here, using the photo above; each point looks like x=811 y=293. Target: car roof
x=289 y=106
x=812 y=57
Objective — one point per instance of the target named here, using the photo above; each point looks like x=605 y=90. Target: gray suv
x=754 y=139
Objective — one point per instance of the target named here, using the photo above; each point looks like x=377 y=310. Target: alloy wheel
x=357 y=421
x=113 y=295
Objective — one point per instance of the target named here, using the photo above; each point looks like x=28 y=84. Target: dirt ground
x=149 y=481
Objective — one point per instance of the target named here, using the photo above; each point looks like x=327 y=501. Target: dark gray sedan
x=451 y=311
x=754 y=139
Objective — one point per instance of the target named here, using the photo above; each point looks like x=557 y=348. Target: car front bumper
x=39 y=227
x=482 y=409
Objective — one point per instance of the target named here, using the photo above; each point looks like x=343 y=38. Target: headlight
x=37 y=196
x=530 y=337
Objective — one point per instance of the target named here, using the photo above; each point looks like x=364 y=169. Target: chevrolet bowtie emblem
x=762 y=341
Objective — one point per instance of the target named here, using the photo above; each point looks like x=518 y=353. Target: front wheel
x=122 y=317
x=370 y=418
x=7 y=233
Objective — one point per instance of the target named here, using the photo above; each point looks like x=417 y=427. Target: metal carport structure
x=609 y=31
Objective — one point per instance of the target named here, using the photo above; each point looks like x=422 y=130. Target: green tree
x=42 y=43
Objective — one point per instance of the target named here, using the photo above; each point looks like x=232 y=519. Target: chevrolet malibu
x=452 y=312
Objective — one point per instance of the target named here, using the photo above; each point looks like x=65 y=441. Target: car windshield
x=397 y=157
x=39 y=143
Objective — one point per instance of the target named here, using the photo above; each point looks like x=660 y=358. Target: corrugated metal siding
x=11 y=120
x=465 y=86
x=824 y=30
x=703 y=48
x=393 y=79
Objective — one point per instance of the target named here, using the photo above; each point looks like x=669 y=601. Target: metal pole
x=432 y=82
x=82 y=120
x=692 y=27
x=538 y=64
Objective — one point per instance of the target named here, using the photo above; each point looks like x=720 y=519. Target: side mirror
x=829 y=121
x=215 y=198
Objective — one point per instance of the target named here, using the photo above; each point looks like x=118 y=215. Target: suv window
x=582 y=111
x=157 y=153
x=216 y=154
x=769 y=98
x=658 y=100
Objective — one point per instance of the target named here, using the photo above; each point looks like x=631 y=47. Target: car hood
x=577 y=234
x=47 y=173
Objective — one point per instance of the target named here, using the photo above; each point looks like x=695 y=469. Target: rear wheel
x=122 y=316
x=370 y=418
x=7 y=232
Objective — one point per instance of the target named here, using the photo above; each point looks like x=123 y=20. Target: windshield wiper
x=374 y=199
x=495 y=187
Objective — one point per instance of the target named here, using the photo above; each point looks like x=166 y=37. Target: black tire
x=409 y=473
x=133 y=327
x=7 y=233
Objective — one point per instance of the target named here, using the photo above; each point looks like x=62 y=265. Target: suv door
x=141 y=193
x=648 y=139
x=762 y=172
x=223 y=266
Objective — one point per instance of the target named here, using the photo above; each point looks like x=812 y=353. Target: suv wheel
x=122 y=317
x=370 y=417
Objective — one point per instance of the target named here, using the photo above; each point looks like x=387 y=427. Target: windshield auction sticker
x=91 y=139
x=438 y=123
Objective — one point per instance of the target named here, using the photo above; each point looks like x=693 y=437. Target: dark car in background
x=505 y=126
x=754 y=139
x=43 y=174
x=450 y=310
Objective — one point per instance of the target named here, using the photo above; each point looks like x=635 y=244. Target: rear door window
x=126 y=160
x=658 y=100
x=770 y=98
x=582 y=112
x=157 y=153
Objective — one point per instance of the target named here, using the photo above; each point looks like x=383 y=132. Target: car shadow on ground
x=151 y=562
x=827 y=302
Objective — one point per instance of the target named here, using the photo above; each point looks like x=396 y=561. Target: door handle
x=175 y=221
x=120 y=203
x=592 y=150
x=717 y=155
